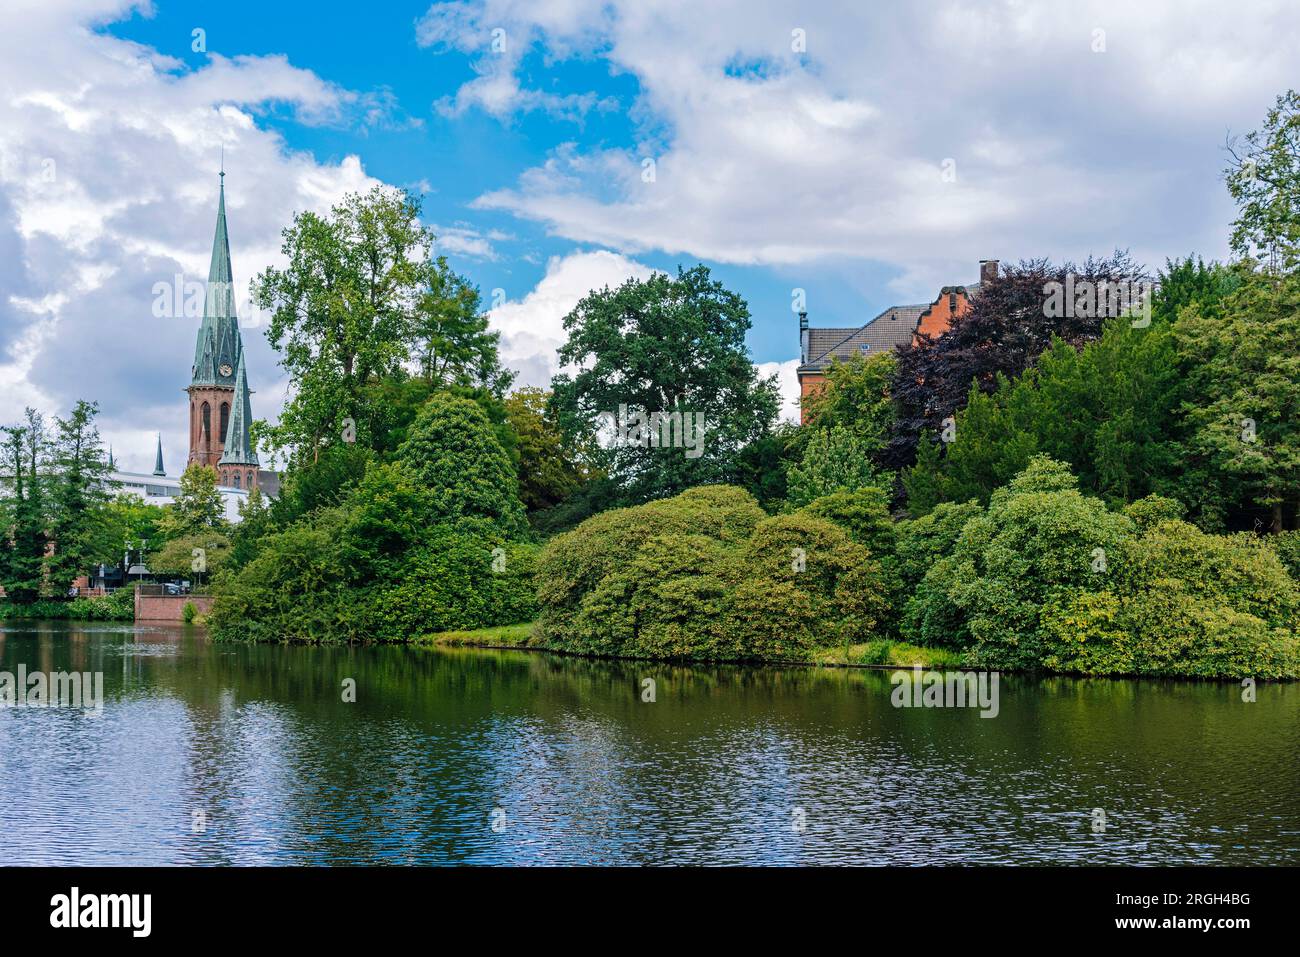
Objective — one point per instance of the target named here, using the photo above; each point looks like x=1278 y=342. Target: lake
x=207 y=753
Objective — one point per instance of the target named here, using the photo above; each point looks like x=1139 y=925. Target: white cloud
x=108 y=185
x=766 y=156
x=788 y=381
x=532 y=328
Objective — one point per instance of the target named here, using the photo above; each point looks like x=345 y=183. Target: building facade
x=896 y=326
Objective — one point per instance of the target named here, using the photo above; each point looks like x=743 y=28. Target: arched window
x=236 y=480
x=206 y=414
x=225 y=420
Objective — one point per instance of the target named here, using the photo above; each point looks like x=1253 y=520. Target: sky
x=864 y=155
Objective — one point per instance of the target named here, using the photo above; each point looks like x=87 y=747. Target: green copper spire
x=157 y=464
x=239 y=447
x=218 y=348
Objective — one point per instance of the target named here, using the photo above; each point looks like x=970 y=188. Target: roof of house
x=893 y=327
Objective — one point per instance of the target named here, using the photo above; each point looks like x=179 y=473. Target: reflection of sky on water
x=728 y=766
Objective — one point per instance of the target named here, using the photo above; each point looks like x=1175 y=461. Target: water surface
x=489 y=757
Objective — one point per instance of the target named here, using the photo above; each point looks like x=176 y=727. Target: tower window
x=236 y=480
x=225 y=420
x=206 y=414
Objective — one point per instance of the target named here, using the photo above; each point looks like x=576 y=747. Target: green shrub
x=116 y=606
x=1287 y=547
x=1039 y=539
x=1183 y=602
x=705 y=575
x=189 y=612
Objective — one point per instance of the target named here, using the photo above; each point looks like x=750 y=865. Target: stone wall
x=168 y=607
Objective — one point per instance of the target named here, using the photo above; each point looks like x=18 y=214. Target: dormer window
x=864 y=347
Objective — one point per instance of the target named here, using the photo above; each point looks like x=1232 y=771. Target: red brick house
x=896 y=326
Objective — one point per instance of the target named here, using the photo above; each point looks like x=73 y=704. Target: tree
x=548 y=468
x=1243 y=396
x=198 y=508
x=855 y=396
x=672 y=346
x=1109 y=409
x=453 y=453
x=1263 y=177
x=79 y=490
x=835 y=460
x=22 y=550
x=361 y=299
x=1009 y=325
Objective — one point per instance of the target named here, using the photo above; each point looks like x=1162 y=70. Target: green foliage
x=1243 y=391
x=1153 y=510
x=1040 y=537
x=666 y=344
x=78 y=494
x=706 y=575
x=548 y=471
x=1182 y=602
x=362 y=297
x=428 y=542
x=117 y=606
x=189 y=613
x=1287 y=546
x=1264 y=180
x=22 y=550
x=193 y=557
x=198 y=508
x=856 y=397
x=453 y=453
x=1109 y=410
x=834 y=460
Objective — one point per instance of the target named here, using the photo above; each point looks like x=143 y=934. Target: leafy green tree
x=1109 y=409
x=834 y=460
x=453 y=452
x=198 y=508
x=1039 y=538
x=1242 y=398
x=856 y=396
x=256 y=521
x=548 y=467
x=79 y=491
x=667 y=345
x=361 y=299
x=193 y=557
x=1263 y=177
x=22 y=551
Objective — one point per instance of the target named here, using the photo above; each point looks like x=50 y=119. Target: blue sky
x=795 y=147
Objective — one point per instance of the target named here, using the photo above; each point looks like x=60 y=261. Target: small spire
x=110 y=458
x=158 y=462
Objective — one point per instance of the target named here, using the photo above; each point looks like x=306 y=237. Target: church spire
x=158 y=463
x=217 y=350
x=239 y=447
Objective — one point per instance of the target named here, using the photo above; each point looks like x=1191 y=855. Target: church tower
x=218 y=390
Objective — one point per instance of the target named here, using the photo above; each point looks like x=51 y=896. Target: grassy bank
x=883 y=653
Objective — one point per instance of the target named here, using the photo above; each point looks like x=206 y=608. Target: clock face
x=226 y=370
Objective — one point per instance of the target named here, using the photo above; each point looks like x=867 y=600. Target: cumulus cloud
x=786 y=135
x=108 y=186
x=532 y=327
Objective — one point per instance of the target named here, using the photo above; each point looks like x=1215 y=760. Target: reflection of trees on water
x=259 y=737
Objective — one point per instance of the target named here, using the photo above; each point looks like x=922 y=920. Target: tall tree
x=548 y=468
x=1263 y=176
x=198 y=508
x=1010 y=323
x=363 y=299
x=79 y=490
x=24 y=542
x=1243 y=397
x=668 y=345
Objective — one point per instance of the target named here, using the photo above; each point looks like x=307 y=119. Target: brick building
x=896 y=326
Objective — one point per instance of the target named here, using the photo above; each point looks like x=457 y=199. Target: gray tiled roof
x=893 y=327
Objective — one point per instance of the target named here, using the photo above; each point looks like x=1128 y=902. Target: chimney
x=988 y=270
x=803 y=338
